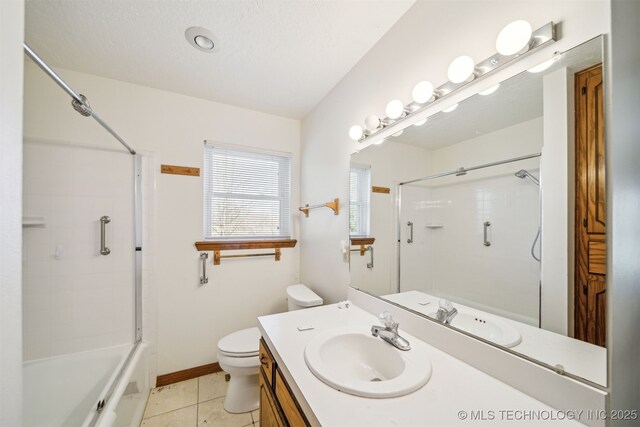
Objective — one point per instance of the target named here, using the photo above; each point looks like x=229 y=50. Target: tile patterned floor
x=197 y=402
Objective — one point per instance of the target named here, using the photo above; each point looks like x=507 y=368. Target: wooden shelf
x=362 y=242
x=234 y=245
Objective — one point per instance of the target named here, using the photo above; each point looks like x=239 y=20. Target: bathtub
x=65 y=390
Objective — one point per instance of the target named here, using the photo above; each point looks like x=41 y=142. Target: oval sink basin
x=357 y=363
x=485 y=326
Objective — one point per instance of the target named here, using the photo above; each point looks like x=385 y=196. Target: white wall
x=11 y=38
x=190 y=318
x=409 y=52
x=622 y=109
x=558 y=201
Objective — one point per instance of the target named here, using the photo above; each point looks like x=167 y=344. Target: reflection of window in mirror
x=359 y=200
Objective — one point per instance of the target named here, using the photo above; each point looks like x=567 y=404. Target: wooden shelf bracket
x=334 y=206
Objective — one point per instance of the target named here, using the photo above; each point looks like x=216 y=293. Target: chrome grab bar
x=370 y=264
x=203 y=257
x=487 y=224
x=104 y=250
x=410 y=239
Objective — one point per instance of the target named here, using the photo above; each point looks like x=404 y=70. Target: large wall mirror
x=490 y=217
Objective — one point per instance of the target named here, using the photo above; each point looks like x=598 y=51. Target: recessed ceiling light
x=201 y=38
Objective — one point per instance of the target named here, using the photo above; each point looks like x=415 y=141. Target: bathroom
x=118 y=290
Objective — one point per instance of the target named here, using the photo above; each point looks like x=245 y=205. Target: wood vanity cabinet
x=278 y=406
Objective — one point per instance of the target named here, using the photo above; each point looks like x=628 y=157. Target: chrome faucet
x=389 y=332
x=446 y=312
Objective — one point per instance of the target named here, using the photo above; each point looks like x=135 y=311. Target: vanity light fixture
x=515 y=38
x=515 y=41
x=462 y=69
x=490 y=90
x=450 y=109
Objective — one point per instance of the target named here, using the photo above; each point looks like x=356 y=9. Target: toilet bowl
x=238 y=356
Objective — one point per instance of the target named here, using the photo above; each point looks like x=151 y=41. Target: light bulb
x=450 y=109
x=490 y=90
x=420 y=123
x=398 y=133
x=356 y=132
x=422 y=92
x=461 y=69
x=394 y=109
x=515 y=38
x=372 y=122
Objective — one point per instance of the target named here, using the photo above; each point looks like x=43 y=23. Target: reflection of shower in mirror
x=522 y=174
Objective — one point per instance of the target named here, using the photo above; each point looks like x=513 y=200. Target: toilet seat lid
x=243 y=343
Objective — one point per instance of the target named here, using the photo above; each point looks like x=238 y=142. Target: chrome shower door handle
x=203 y=257
x=410 y=225
x=487 y=224
x=104 y=250
x=370 y=264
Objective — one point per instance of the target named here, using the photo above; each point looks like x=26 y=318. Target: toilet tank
x=299 y=296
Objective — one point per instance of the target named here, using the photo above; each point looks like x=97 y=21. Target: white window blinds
x=359 y=200
x=247 y=195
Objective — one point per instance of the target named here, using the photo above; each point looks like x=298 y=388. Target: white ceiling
x=280 y=57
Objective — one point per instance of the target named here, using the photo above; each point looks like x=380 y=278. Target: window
x=359 y=200
x=247 y=194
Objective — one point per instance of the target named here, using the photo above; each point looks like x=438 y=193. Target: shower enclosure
x=472 y=236
x=84 y=359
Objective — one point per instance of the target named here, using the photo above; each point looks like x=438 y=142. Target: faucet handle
x=387 y=320
x=445 y=304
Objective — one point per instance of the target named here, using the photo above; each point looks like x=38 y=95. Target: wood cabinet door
x=269 y=416
x=590 y=209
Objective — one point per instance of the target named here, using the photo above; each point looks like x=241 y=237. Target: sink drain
x=376 y=379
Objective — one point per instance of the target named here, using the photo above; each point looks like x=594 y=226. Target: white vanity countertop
x=577 y=357
x=454 y=386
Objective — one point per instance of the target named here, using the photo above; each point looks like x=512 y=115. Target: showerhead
x=524 y=174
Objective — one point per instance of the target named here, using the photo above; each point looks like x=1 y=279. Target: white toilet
x=238 y=355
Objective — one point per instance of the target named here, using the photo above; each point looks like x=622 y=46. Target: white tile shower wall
x=503 y=277
x=74 y=298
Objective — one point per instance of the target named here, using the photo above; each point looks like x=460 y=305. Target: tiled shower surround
x=74 y=298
